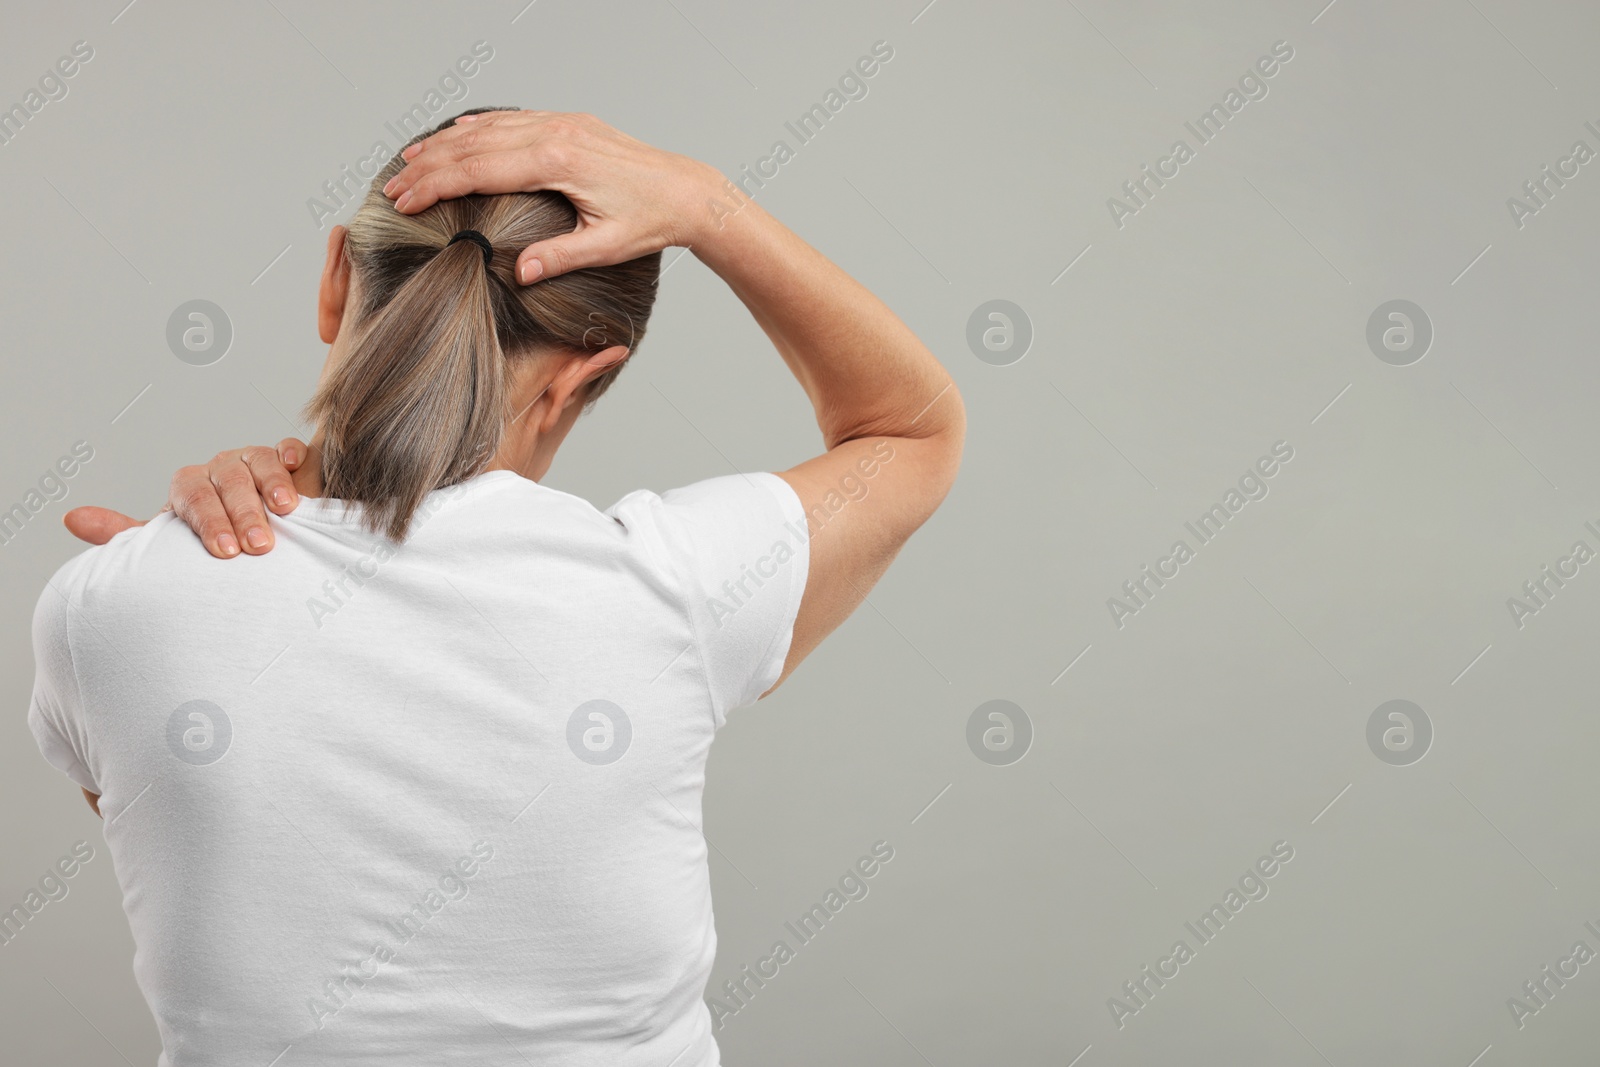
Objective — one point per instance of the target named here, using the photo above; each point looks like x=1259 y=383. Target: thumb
x=592 y=246
x=97 y=525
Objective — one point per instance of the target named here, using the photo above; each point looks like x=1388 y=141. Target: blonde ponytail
x=419 y=401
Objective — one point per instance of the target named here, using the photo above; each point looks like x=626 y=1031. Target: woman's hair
x=420 y=399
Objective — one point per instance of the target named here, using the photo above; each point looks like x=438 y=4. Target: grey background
x=1228 y=314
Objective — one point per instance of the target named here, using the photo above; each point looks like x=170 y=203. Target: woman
x=412 y=772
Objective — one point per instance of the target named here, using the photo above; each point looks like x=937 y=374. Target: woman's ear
x=567 y=387
x=334 y=288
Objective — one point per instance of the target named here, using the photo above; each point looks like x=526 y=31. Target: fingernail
x=291 y=456
x=256 y=536
x=227 y=545
x=390 y=184
x=400 y=205
x=466 y=118
x=411 y=150
x=280 y=497
x=531 y=271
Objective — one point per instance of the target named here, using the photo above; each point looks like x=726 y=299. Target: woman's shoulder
x=135 y=567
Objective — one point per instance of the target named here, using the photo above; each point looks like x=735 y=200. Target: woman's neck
x=308 y=476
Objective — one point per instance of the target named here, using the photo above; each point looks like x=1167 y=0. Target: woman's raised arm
x=892 y=421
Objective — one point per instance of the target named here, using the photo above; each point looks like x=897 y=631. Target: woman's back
x=370 y=802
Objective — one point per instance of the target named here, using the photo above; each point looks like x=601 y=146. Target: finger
x=454 y=144
x=237 y=486
x=272 y=480
x=482 y=121
x=539 y=146
x=196 y=501
x=590 y=246
x=489 y=118
x=97 y=525
x=291 y=451
x=451 y=134
x=501 y=116
x=446 y=146
x=488 y=173
x=490 y=160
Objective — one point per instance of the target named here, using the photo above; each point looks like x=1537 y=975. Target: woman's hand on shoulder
x=632 y=199
x=225 y=502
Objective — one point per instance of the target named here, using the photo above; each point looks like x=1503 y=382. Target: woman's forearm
x=865 y=371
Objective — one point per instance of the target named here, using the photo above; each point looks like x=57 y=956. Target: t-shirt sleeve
x=55 y=713
x=738 y=546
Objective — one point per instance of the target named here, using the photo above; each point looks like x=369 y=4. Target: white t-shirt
x=427 y=803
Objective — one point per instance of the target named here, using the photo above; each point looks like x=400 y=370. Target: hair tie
x=480 y=239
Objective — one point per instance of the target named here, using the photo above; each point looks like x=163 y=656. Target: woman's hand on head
x=225 y=501
x=632 y=199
